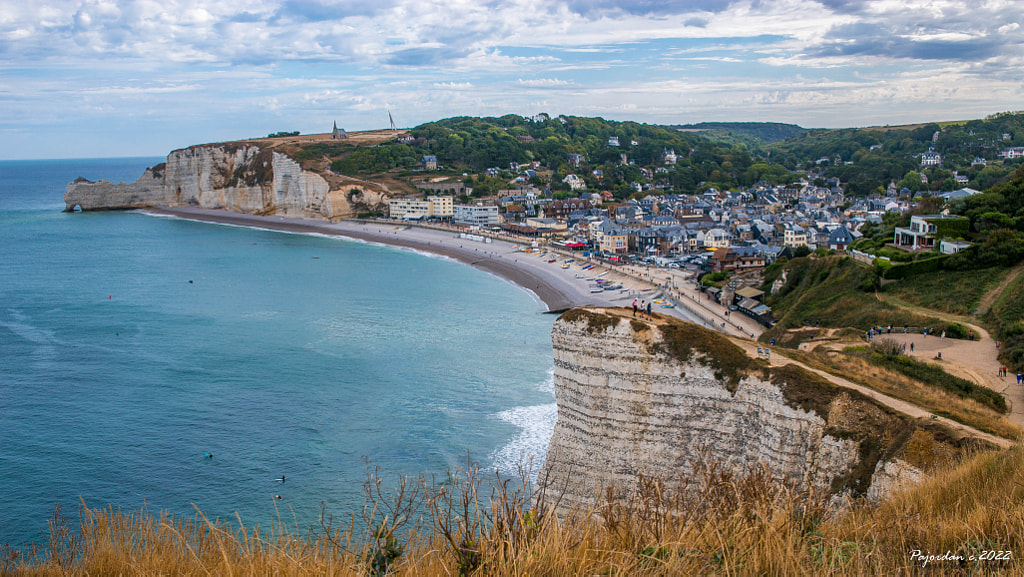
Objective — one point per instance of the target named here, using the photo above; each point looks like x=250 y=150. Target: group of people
x=1020 y=376
x=642 y=309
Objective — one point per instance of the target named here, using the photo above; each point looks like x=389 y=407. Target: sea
x=160 y=364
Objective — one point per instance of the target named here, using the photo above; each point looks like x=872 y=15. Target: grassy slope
x=721 y=524
x=1007 y=316
x=957 y=292
x=858 y=367
x=829 y=292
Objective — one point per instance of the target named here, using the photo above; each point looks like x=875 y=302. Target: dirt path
x=975 y=360
x=990 y=297
x=751 y=349
x=902 y=406
x=968 y=322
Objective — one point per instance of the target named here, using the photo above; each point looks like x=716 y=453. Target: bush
x=1002 y=248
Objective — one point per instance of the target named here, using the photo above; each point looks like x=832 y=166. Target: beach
x=558 y=288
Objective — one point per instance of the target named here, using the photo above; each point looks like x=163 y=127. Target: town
x=723 y=237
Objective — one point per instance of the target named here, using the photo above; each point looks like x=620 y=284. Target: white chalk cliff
x=241 y=178
x=637 y=398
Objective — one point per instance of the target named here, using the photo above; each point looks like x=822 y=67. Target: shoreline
x=559 y=289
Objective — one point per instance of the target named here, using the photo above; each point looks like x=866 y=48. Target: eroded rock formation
x=637 y=398
x=241 y=178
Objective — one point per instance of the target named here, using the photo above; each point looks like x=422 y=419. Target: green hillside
x=869 y=158
x=747 y=132
x=472 y=145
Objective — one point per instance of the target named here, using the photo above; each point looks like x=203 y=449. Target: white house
x=931 y=158
x=574 y=182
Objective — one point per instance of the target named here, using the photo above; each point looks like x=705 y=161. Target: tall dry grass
x=859 y=370
x=716 y=523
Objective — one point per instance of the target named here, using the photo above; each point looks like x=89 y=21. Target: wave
x=529 y=449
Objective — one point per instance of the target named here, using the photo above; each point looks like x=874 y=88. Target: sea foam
x=530 y=447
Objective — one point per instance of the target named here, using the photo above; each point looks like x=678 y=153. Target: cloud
x=295 y=61
x=453 y=85
x=543 y=82
x=645 y=7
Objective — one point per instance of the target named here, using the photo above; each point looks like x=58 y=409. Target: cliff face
x=239 y=178
x=651 y=399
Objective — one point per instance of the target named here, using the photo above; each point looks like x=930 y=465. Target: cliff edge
x=638 y=398
x=244 y=178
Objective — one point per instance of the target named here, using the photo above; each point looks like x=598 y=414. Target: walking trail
x=751 y=349
x=976 y=360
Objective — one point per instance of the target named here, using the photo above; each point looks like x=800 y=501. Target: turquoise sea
x=130 y=345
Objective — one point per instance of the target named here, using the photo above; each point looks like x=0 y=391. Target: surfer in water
x=208 y=455
x=281 y=479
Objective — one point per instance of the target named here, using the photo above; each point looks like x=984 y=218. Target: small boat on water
x=552 y=260
x=566 y=265
x=596 y=290
x=568 y=260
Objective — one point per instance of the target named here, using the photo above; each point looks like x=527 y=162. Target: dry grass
x=859 y=370
x=717 y=523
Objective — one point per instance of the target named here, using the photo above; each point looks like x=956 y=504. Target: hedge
x=899 y=271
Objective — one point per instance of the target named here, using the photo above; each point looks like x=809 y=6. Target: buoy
x=189 y=282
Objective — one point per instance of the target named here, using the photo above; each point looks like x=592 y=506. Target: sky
x=104 y=79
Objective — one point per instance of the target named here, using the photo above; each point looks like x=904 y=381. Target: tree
x=911 y=181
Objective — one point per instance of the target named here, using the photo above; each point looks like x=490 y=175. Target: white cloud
x=544 y=82
x=453 y=85
x=200 y=63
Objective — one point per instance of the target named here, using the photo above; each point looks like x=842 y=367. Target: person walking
x=634 y=308
x=649 y=316
x=911 y=347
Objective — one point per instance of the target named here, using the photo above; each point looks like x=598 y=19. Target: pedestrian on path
x=911 y=347
x=1020 y=378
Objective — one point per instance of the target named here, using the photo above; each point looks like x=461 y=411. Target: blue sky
x=101 y=78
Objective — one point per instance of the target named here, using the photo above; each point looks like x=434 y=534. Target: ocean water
x=131 y=345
